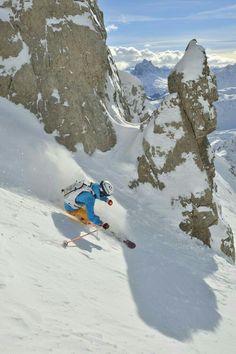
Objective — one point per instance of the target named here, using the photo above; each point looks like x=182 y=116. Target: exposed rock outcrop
x=140 y=108
x=54 y=61
x=176 y=147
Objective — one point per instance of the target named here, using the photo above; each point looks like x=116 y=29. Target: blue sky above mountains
x=168 y=25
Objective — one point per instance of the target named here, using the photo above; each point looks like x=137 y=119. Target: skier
x=79 y=200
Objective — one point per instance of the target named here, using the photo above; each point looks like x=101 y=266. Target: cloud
x=135 y=18
x=221 y=58
x=111 y=28
x=127 y=57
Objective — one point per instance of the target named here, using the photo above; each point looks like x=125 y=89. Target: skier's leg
x=81 y=214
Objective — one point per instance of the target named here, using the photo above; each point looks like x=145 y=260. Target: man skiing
x=79 y=200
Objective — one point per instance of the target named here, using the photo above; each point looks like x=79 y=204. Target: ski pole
x=65 y=243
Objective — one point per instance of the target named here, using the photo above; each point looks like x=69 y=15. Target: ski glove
x=105 y=226
x=110 y=202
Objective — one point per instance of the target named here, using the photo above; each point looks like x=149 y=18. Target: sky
x=164 y=27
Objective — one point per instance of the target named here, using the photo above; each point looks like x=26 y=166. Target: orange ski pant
x=80 y=214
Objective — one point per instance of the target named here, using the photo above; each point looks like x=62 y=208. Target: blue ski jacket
x=88 y=199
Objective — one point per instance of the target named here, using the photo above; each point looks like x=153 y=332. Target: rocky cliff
x=139 y=106
x=176 y=148
x=54 y=60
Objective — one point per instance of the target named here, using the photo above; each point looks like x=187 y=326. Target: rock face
x=196 y=86
x=176 y=147
x=54 y=60
x=140 y=108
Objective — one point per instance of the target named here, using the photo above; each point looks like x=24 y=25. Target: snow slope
x=170 y=294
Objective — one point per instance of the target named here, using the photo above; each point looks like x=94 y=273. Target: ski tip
x=65 y=244
x=129 y=244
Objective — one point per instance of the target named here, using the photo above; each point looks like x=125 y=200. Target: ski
x=128 y=243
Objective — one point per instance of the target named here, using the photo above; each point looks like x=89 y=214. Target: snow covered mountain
x=225 y=76
x=224 y=146
x=154 y=79
x=226 y=105
x=170 y=294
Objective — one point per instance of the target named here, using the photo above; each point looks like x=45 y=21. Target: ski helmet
x=107 y=187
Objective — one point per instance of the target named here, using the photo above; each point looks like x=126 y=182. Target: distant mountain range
x=224 y=146
x=226 y=105
x=154 y=80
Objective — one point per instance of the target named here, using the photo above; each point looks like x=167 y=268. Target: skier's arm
x=90 y=212
x=96 y=189
x=88 y=201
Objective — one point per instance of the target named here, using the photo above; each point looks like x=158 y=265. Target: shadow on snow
x=70 y=229
x=168 y=286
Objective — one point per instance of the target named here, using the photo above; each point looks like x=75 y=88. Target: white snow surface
x=169 y=295
x=5 y=14
x=191 y=63
x=55 y=94
x=11 y=65
x=80 y=20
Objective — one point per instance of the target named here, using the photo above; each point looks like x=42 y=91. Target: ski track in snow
x=169 y=295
